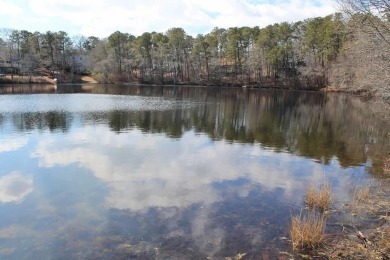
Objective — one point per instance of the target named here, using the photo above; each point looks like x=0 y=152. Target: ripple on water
x=87 y=103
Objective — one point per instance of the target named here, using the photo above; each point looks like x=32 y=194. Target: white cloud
x=8 y=8
x=103 y=17
x=14 y=187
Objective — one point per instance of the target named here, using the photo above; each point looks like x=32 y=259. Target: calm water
x=171 y=172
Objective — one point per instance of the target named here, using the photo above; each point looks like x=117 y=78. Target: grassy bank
x=355 y=229
x=364 y=232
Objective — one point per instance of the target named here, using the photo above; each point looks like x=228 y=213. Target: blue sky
x=103 y=17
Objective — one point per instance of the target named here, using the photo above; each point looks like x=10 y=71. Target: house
x=7 y=65
x=4 y=63
x=79 y=63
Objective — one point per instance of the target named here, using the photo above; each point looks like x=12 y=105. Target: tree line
x=241 y=55
x=316 y=52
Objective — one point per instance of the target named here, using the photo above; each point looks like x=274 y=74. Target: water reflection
x=12 y=144
x=170 y=172
x=314 y=125
x=14 y=187
x=145 y=171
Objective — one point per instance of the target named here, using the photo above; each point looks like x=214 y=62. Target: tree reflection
x=316 y=125
x=52 y=120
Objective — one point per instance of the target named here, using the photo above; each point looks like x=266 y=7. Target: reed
x=308 y=230
x=386 y=166
x=321 y=198
x=361 y=193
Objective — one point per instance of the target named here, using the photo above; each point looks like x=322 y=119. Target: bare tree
x=365 y=64
x=371 y=14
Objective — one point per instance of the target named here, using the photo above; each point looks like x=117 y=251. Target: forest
x=345 y=51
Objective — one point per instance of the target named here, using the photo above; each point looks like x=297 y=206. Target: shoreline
x=379 y=106
x=16 y=79
x=356 y=229
x=364 y=229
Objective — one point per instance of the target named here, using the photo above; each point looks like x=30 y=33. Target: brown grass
x=384 y=242
x=307 y=231
x=321 y=198
x=361 y=194
x=386 y=166
x=26 y=79
x=87 y=79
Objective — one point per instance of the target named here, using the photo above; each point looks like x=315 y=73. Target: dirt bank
x=8 y=79
x=26 y=80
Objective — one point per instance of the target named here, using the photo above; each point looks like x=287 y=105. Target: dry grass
x=384 y=242
x=307 y=231
x=26 y=79
x=321 y=198
x=361 y=194
x=311 y=196
x=87 y=79
x=386 y=166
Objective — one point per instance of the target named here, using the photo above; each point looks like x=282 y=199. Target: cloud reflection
x=145 y=170
x=14 y=187
x=12 y=144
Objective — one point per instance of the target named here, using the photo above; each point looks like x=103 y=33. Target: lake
x=172 y=172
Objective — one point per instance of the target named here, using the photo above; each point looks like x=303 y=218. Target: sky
x=102 y=17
